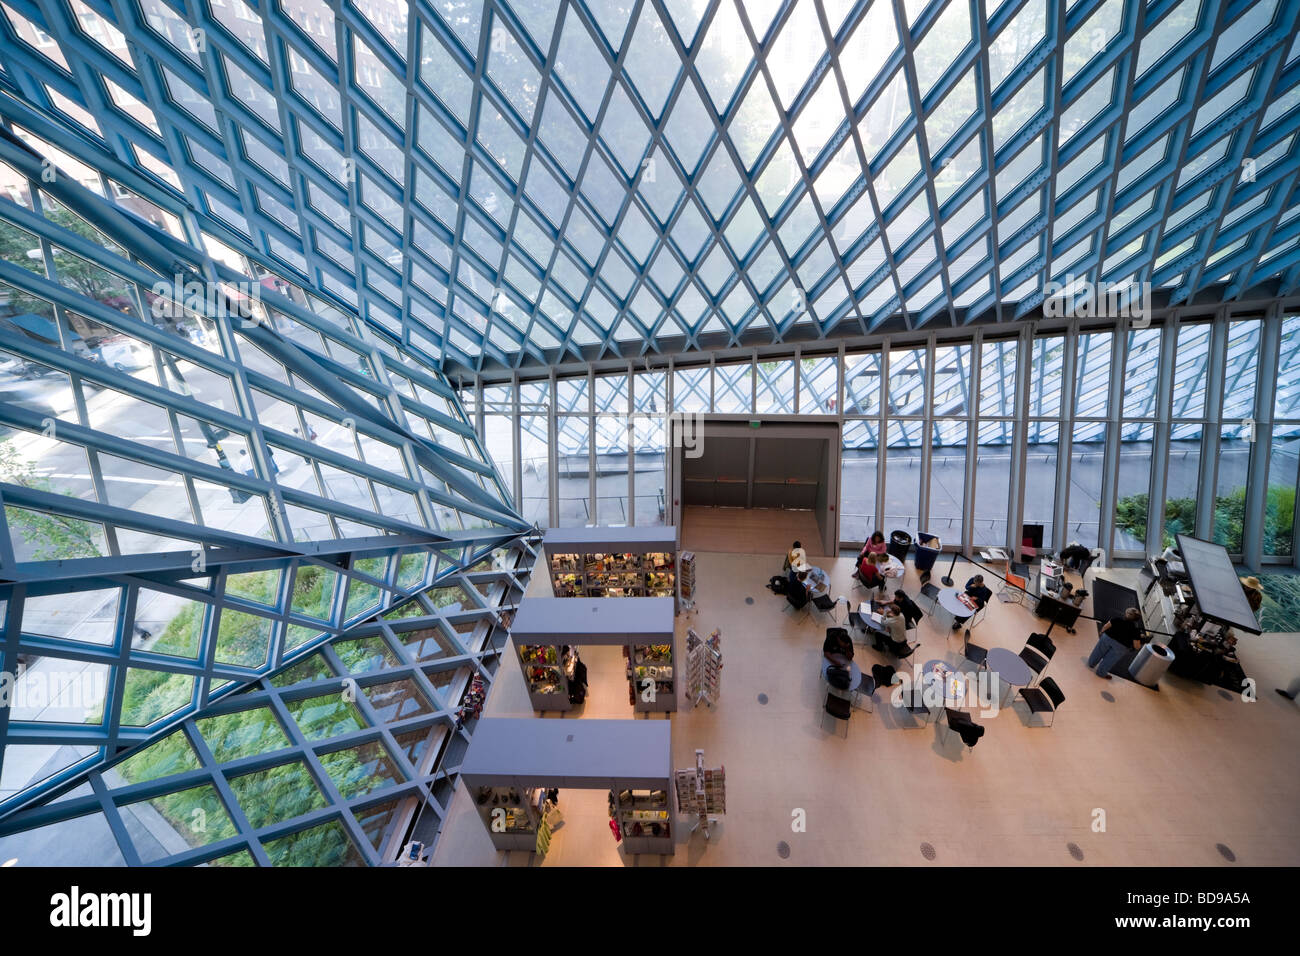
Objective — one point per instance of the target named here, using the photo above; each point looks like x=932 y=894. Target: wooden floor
x=749 y=530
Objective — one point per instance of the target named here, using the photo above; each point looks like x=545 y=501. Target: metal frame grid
x=336 y=760
x=1152 y=409
x=526 y=183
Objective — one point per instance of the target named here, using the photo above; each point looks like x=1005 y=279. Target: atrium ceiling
x=518 y=183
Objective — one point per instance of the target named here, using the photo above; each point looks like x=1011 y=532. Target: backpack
x=838 y=677
x=776 y=584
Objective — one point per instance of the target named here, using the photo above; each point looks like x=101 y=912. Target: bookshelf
x=612 y=562
x=642 y=626
x=644 y=819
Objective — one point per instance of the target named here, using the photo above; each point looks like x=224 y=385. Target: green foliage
x=54 y=537
x=1229 y=518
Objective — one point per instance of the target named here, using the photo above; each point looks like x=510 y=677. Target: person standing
x=1116 y=638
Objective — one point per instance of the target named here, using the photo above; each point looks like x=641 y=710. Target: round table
x=949 y=599
x=855 y=674
x=954 y=682
x=1010 y=668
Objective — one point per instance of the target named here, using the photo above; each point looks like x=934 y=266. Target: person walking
x=1116 y=638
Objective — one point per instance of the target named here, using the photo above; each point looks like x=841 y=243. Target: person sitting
x=977 y=592
x=795 y=557
x=796 y=589
x=911 y=612
x=837 y=648
x=871 y=571
x=892 y=632
x=1254 y=593
x=876 y=545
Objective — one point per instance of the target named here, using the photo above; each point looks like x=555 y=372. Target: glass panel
x=360 y=770
x=1279 y=506
x=1230 y=495
x=1242 y=369
x=947 y=480
x=1182 y=478
x=1141 y=369
x=1191 y=370
x=276 y=794
x=992 y=482
x=325 y=845
x=574 y=470
x=859 y=459
x=998 y=378
x=170 y=824
x=775 y=385
x=244 y=733
x=1086 y=467
x=902 y=478
x=648 y=469
x=818 y=385
x=1040 y=477
x=1132 y=491
x=326 y=716
x=397 y=700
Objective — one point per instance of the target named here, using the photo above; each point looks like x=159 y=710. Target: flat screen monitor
x=1218 y=589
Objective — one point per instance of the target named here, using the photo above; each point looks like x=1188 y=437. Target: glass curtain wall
x=927 y=411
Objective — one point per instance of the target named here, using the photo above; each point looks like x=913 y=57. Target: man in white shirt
x=795 y=557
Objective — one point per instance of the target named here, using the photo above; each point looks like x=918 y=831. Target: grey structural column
x=1065 y=439
x=552 y=455
x=927 y=431
x=593 y=491
x=516 y=442
x=1252 y=538
x=1114 y=414
x=972 y=443
x=629 y=430
x=882 y=435
x=1020 y=440
x=1161 y=435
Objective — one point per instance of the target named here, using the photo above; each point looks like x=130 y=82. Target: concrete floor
x=1127 y=776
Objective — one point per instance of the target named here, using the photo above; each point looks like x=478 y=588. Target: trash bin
x=927 y=551
x=900 y=542
x=1151 y=663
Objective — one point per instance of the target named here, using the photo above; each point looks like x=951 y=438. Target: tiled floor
x=1127 y=775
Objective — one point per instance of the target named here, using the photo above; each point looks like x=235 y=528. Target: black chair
x=796 y=601
x=900 y=649
x=839 y=708
x=866 y=688
x=969 y=731
x=913 y=700
x=826 y=604
x=1043 y=644
x=1036 y=662
x=931 y=592
x=1037 y=652
x=883 y=675
x=973 y=652
x=1046 y=698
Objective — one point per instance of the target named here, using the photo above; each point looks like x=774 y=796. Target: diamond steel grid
x=569 y=197
x=126 y=400
x=143 y=798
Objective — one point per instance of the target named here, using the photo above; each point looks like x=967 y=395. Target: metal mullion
x=927 y=436
x=1211 y=435
x=969 y=490
x=1266 y=382
x=882 y=431
x=1162 y=436
x=1114 y=424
